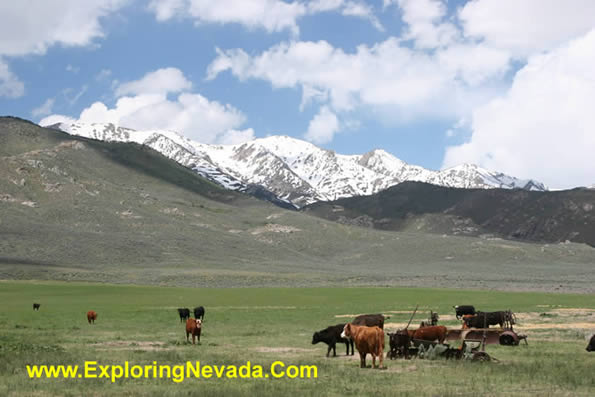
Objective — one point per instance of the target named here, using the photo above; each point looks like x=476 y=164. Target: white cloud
x=528 y=26
x=28 y=27
x=161 y=81
x=44 y=109
x=31 y=27
x=270 y=15
x=544 y=127
x=425 y=25
x=322 y=127
x=10 y=85
x=234 y=137
x=384 y=75
x=361 y=10
x=148 y=107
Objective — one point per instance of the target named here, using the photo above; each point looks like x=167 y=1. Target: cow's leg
x=380 y=358
x=362 y=359
x=347 y=346
x=352 y=351
x=373 y=360
x=334 y=350
x=328 y=350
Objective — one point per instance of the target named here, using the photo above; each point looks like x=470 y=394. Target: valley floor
x=140 y=324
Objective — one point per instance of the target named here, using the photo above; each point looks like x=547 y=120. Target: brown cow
x=91 y=316
x=193 y=327
x=367 y=340
x=465 y=317
x=432 y=333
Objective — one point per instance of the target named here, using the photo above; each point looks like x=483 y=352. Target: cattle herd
x=366 y=332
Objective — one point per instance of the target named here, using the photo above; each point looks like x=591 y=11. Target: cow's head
x=591 y=346
x=316 y=338
x=198 y=323
x=346 y=334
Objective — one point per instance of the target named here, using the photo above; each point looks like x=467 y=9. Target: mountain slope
x=535 y=216
x=73 y=208
x=296 y=171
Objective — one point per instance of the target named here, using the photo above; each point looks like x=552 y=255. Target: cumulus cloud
x=44 y=109
x=322 y=127
x=270 y=15
x=10 y=85
x=544 y=127
x=425 y=25
x=31 y=28
x=234 y=137
x=27 y=28
x=161 y=81
x=528 y=26
x=144 y=104
x=384 y=75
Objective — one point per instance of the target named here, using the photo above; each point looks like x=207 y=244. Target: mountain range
x=293 y=171
x=74 y=208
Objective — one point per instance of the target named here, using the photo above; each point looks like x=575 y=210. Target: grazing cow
x=485 y=319
x=399 y=343
x=193 y=327
x=199 y=312
x=367 y=340
x=591 y=345
x=464 y=309
x=91 y=316
x=184 y=313
x=431 y=333
x=331 y=335
x=36 y=306
x=370 y=320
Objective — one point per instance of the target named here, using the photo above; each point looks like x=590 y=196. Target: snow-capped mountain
x=296 y=171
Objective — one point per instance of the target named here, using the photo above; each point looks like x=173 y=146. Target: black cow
x=591 y=346
x=184 y=314
x=36 y=306
x=370 y=320
x=331 y=336
x=199 y=312
x=399 y=343
x=485 y=319
x=464 y=309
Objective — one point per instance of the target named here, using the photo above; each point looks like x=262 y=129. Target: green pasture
x=140 y=324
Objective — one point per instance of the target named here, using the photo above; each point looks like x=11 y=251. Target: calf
x=399 y=343
x=367 y=340
x=36 y=306
x=331 y=335
x=91 y=316
x=370 y=320
x=464 y=309
x=193 y=327
x=184 y=313
x=591 y=345
x=199 y=312
x=431 y=333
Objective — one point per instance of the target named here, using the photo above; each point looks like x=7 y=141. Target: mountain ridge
x=297 y=172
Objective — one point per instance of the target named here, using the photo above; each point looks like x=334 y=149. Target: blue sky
x=433 y=82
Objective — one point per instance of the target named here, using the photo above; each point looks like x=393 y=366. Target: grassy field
x=140 y=325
